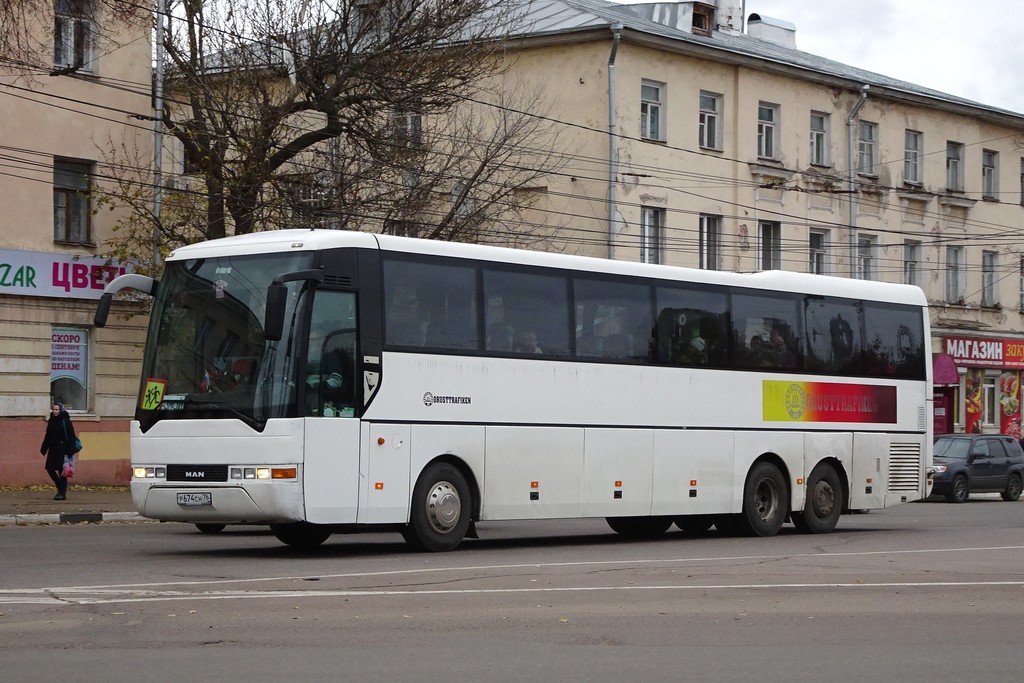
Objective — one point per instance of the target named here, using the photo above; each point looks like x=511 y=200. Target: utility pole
x=158 y=152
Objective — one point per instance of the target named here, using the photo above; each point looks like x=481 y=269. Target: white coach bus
x=324 y=381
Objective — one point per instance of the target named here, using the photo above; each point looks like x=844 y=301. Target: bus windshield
x=207 y=356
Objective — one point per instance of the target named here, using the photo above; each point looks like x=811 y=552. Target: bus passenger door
x=331 y=461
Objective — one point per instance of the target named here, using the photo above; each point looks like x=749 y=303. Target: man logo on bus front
x=428 y=399
x=795 y=401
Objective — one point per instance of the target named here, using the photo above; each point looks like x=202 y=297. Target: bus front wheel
x=764 y=500
x=441 y=505
x=300 y=534
x=824 y=502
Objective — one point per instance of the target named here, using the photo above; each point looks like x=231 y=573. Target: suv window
x=986 y=448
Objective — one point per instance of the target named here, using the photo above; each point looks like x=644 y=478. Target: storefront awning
x=944 y=370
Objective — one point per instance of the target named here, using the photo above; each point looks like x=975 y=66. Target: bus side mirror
x=273 y=321
x=277 y=299
x=141 y=283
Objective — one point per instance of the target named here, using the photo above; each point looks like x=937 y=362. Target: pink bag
x=69 y=467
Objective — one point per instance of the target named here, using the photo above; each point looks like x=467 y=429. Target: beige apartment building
x=732 y=149
x=61 y=111
x=692 y=135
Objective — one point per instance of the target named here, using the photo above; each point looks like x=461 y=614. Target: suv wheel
x=1013 y=488
x=959 y=490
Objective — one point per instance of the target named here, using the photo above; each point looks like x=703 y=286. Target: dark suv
x=978 y=463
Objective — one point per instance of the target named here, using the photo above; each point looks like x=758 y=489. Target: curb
x=70 y=518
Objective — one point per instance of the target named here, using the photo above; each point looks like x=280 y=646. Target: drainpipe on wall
x=613 y=151
x=853 y=177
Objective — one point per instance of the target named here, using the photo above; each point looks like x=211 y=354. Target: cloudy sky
x=971 y=49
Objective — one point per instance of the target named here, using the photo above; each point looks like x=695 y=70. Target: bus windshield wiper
x=192 y=402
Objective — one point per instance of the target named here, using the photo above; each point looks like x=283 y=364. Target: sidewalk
x=35 y=505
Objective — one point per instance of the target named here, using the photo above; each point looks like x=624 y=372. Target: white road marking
x=141 y=592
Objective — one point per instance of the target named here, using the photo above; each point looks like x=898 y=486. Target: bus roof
x=277 y=241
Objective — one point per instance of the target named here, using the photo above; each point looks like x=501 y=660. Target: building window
x=407 y=129
x=652 y=221
x=69 y=367
x=866 y=257
x=650 y=110
x=988 y=278
x=911 y=263
x=912 y=157
x=710 y=242
x=989 y=174
x=770 y=234
x=989 y=398
x=954 y=167
x=1022 y=181
x=817 y=263
x=955 y=275
x=819 y=139
x=703 y=18
x=866 y=157
x=73 y=34
x=709 y=132
x=1020 y=305
x=767 y=122
x=71 y=201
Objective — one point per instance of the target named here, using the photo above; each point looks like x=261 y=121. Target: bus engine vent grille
x=197 y=473
x=904 y=467
x=337 y=280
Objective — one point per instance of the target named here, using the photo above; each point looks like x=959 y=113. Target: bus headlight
x=149 y=472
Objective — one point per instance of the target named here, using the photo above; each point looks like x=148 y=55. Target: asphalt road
x=922 y=592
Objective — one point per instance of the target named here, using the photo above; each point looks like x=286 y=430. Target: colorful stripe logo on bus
x=827 y=402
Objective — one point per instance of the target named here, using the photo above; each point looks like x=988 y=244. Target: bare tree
x=369 y=114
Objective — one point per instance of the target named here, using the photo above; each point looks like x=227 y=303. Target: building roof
x=564 y=17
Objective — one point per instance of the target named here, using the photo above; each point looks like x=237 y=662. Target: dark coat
x=59 y=440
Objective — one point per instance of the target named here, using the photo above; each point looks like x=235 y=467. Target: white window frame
x=954 y=166
x=867 y=246
x=767 y=130
x=989 y=174
x=73 y=35
x=911 y=262
x=1022 y=181
x=867 y=144
x=407 y=129
x=1020 y=304
x=989 y=399
x=819 y=125
x=989 y=264
x=709 y=129
x=769 y=238
x=955 y=275
x=912 y=141
x=652 y=101
x=652 y=224
x=710 y=242
x=817 y=252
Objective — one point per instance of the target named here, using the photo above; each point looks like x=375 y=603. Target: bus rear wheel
x=300 y=534
x=639 y=527
x=441 y=505
x=764 y=501
x=824 y=502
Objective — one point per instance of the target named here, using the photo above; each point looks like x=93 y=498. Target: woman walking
x=58 y=443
